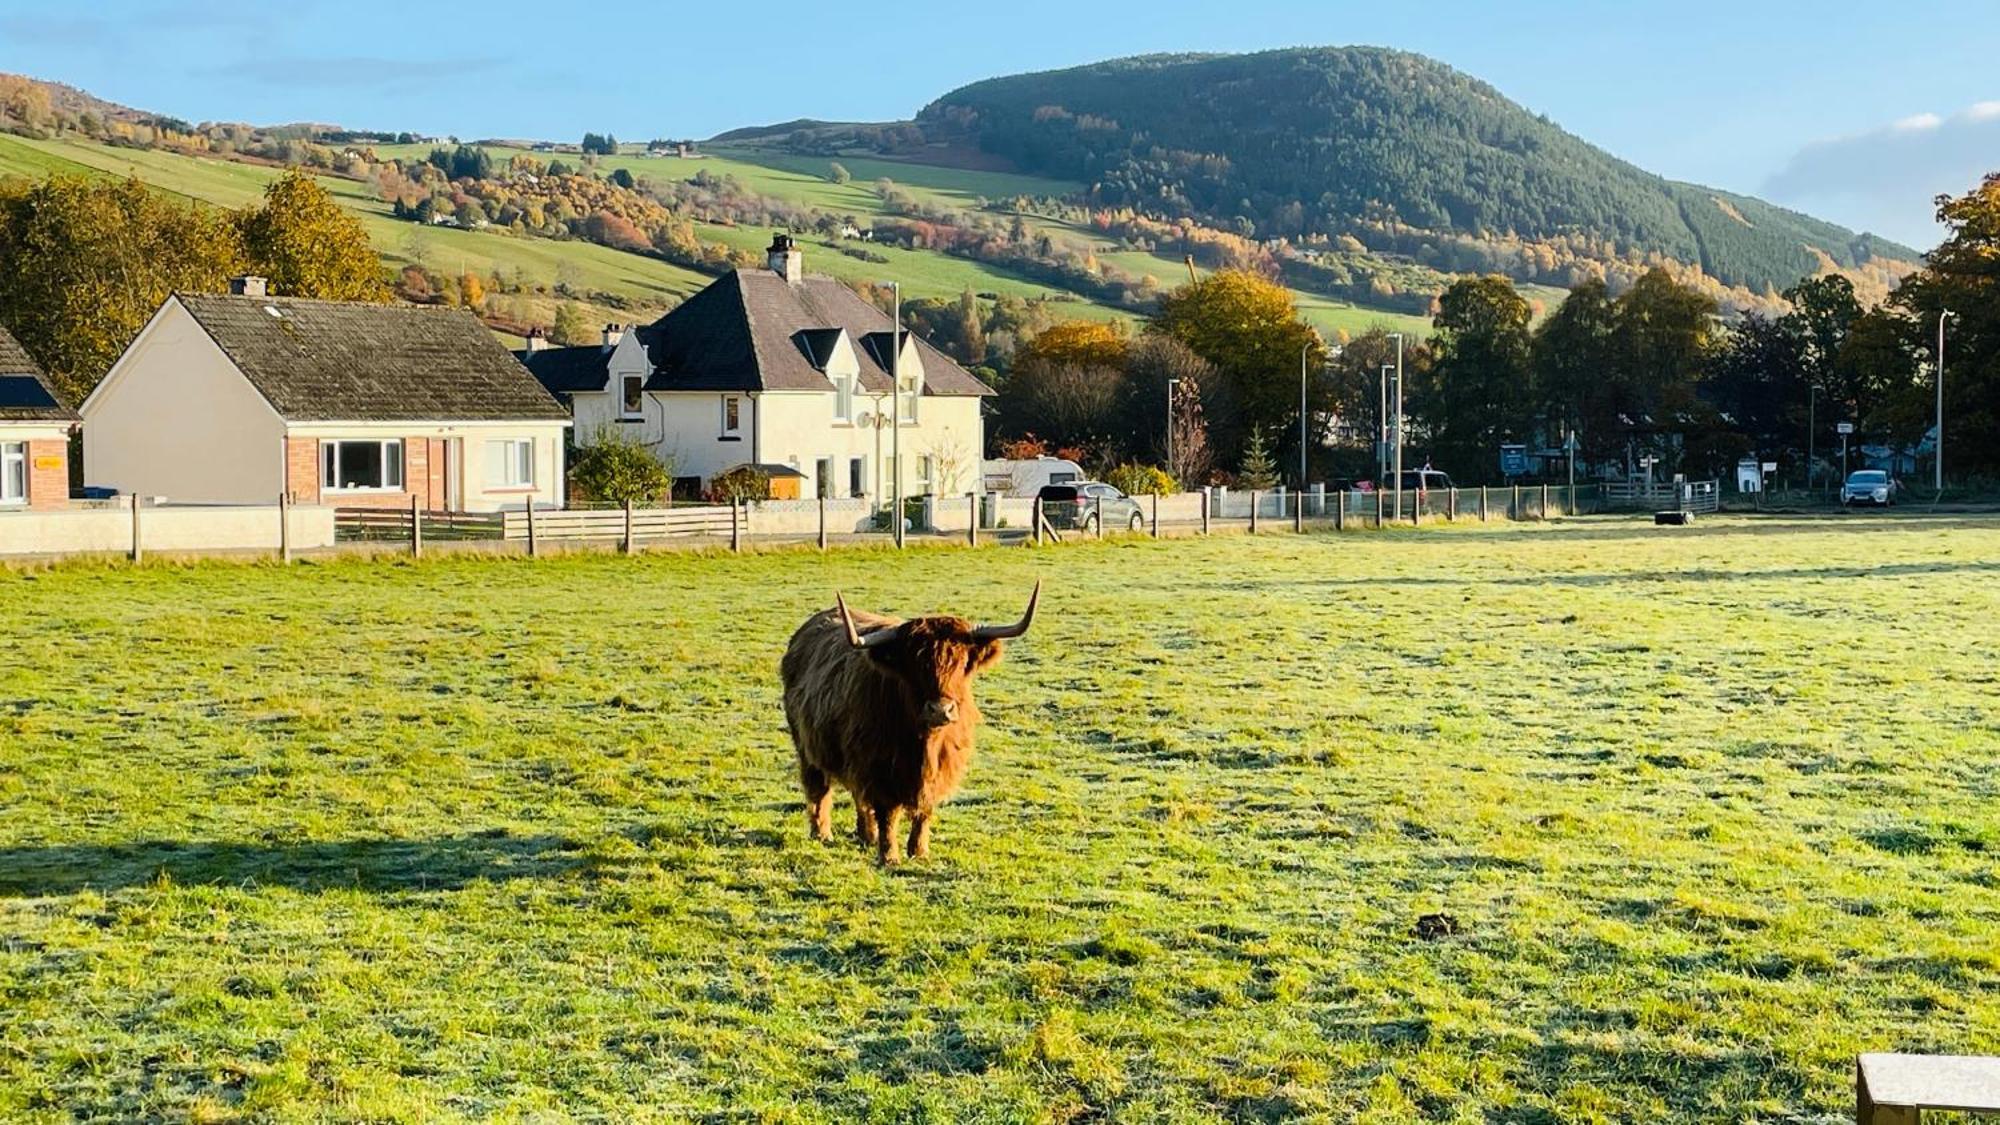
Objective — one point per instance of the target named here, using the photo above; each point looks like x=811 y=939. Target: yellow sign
x=48 y=462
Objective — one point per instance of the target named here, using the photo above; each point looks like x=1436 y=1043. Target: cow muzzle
x=940 y=713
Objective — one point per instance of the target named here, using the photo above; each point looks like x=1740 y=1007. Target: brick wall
x=48 y=474
x=423 y=476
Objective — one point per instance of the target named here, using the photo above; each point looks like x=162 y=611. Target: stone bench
x=1896 y=1089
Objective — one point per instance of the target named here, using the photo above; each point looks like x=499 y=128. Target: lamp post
x=1812 y=434
x=1171 y=384
x=1937 y=450
x=1305 y=350
x=896 y=409
x=1382 y=427
x=1398 y=448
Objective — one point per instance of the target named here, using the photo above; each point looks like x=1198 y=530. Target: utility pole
x=1812 y=434
x=1382 y=428
x=1305 y=350
x=1171 y=384
x=1398 y=470
x=896 y=408
x=1937 y=448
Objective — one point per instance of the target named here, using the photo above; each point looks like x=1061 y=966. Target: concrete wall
x=175 y=418
x=170 y=529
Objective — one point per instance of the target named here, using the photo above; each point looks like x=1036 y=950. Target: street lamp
x=896 y=410
x=1398 y=337
x=1938 y=446
x=1382 y=426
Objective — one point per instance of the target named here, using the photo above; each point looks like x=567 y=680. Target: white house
x=34 y=434
x=790 y=372
x=238 y=398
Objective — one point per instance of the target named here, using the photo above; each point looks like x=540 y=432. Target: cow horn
x=1002 y=632
x=854 y=636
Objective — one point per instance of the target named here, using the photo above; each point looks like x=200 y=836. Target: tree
x=307 y=246
x=1575 y=371
x=1077 y=405
x=616 y=469
x=1258 y=472
x=1153 y=363
x=1247 y=327
x=1083 y=343
x=569 y=329
x=621 y=177
x=87 y=263
x=1479 y=392
x=1960 y=277
x=471 y=290
x=837 y=173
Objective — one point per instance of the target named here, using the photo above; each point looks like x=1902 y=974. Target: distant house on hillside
x=238 y=398
x=783 y=371
x=34 y=434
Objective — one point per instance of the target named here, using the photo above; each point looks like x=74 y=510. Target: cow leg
x=885 y=833
x=920 y=834
x=864 y=822
x=819 y=801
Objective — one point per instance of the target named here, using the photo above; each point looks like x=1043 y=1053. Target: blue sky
x=1857 y=113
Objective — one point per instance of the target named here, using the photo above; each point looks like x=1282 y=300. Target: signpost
x=1844 y=429
x=1514 y=460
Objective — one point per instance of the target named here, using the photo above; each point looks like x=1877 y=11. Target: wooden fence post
x=1206 y=496
x=1340 y=510
x=1514 y=504
x=534 y=545
x=625 y=545
x=1378 y=509
x=822 y=522
x=1255 y=498
x=1035 y=519
x=736 y=513
x=1098 y=517
x=1482 y=503
x=1299 y=514
x=1451 y=504
x=1416 y=507
x=285 y=528
x=1156 y=515
x=1542 y=510
x=972 y=519
x=138 y=548
x=416 y=528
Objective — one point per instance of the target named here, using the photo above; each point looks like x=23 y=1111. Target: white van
x=1028 y=478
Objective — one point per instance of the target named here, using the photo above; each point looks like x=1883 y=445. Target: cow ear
x=982 y=656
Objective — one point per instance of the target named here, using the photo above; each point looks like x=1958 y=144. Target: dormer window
x=632 y=397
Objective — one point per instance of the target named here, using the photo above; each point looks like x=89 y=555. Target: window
x=632 y=402
x=361 y=466
x=928 y=466
x=732 y=417
x=843 y=399
x=823 y=478
x=13 y=472
x=908 y=394
x=857 y=477
x=510 y=464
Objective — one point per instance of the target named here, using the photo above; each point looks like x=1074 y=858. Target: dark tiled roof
x=751 y=331
x=25 y=394
x=333 y=361
x=565 y=371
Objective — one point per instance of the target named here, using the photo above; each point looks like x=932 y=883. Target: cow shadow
x=442 y=864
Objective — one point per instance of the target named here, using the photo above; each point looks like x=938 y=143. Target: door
x=454 y=473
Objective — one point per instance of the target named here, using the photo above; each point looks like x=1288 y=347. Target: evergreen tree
x=1258 y=472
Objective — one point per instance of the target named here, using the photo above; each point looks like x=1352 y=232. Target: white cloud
x=1886 y=179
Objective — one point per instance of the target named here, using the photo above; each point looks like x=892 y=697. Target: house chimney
x=536 y=342
x=785 y=260
x=249 y=285
x=612 y=334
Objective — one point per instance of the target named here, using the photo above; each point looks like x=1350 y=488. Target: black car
x=1079 y=505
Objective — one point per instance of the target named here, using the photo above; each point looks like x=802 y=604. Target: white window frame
x=329 y=465
x=13 y=460
x=912 y=390
x=631 y=389
x=517 y=459
x=927 y=470
x=857 y=476
x=843 y=399
x=729 y=431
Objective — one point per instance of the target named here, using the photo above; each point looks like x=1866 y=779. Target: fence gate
x=1655 y=496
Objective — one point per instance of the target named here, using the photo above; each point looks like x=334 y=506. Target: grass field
x=1710 y=810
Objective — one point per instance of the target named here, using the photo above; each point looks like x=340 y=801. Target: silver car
x=1868 y=486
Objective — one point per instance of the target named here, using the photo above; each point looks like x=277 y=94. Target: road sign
x=1770 y=466
x=1570 y=444
x=1514 y=460
x=1844 y=428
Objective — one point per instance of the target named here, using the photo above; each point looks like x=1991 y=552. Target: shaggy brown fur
x=892 y=724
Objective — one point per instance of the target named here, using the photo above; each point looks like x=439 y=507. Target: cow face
x=935 y=658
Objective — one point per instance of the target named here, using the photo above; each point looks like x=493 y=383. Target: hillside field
x=1708 y=812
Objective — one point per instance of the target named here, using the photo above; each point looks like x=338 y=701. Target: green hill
x=1381 y=144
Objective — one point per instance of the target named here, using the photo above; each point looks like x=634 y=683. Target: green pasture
x=1585 y=822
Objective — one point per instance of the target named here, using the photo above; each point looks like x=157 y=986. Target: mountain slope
x=1329 y=141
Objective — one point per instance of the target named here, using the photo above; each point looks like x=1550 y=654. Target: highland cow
x=883 y=708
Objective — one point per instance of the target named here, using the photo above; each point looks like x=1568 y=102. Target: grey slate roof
x=25 y=393
x=565 y=371
x=751 y=331
x=335 y=361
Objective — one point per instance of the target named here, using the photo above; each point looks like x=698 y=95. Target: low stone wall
x=171 y=529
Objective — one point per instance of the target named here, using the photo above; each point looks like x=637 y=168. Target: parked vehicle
x=1079 y=506
x=1425 y=480
x=1869 y=486
x=1028 y=477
